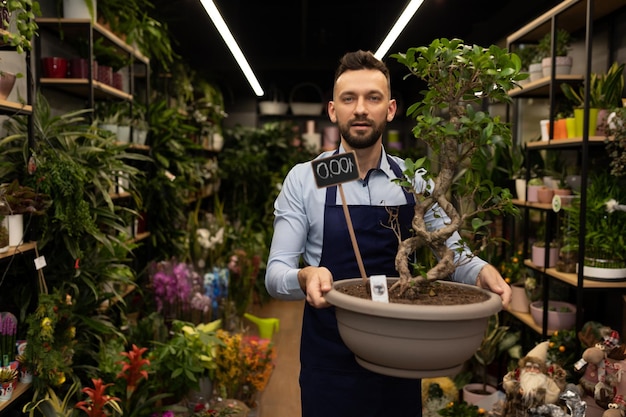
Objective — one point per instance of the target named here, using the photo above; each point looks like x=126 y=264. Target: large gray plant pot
x=411 y=341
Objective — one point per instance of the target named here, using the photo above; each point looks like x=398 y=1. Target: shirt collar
x=383 y=163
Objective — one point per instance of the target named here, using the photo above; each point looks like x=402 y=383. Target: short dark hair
x=359 y=60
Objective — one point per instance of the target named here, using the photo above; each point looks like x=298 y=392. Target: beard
x=531 y=382
x=361 y=141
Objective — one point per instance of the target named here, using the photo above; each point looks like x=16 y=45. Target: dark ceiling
x=288 y=42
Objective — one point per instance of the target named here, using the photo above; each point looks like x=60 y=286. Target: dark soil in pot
x=429 y=294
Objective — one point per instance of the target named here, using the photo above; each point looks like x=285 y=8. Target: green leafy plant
x=22 y=199
x=459 y=77
x=24 y=13
x=617 y=147
x=544 y=47
x=605 y=90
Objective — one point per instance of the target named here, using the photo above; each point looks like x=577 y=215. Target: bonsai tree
x=459 y=78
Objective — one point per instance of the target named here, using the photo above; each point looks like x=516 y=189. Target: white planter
x=520 y=189
x=139 y=136
x=123 y=134
x=604 y=274
x=535 y=71
x=486 y=400
x=77 y=9
x=563 y=65
x=15 y=224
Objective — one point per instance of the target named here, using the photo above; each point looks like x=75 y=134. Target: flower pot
x=123 y=133
x=560 y=129
x=519 y=299
x=411 y=341
x=54 y=67
x=273 y=107
x=593 y=120
x=77 y=9
x=604 y=270
x=532 y=193
x=7 y=82
x=558 y=318
x=539 y=256
x=473 y=393
x=563 y=65
x=544 y=195
x=535 y=71
x=520 y=189
x=79 y=68
x=6 y=391
x=15 y=224
x=570 y=124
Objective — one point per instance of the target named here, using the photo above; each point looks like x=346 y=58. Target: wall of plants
x=140 y=325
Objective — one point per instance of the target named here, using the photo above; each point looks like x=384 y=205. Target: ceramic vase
x=15 y=224
x=77 y=9
x=6 y=391
x=520 y=188
x=7 y=82
x=519 y=299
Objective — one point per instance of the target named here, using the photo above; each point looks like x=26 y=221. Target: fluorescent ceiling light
x=397 y=28
x=221 y=26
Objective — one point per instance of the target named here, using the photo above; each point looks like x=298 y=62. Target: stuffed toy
x=603 y=367
x=533 y=384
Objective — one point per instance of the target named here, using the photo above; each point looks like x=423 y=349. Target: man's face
x=361 y=107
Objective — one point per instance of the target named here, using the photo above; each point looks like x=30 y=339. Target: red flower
x=132 y=370
x=94 y=406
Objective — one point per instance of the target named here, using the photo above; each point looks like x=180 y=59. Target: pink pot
x=7 y=82
x=539 y=256
x=105 y=74
x=544 y=195
x=79 y=68
x=54 y=67
x=561 y=315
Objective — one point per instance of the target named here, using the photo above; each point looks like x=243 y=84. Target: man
x=310 y=224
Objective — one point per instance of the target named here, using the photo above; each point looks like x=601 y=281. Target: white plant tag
x=40 y=262
x=378 y=287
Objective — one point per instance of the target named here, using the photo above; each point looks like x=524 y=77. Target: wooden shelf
x=572 y=279
x=80 y=87
x=541 y=87
x=10 y=106
x=538 y=206
x=80 y=27
x=571 y=15
x=140 y=236
x=19 y=390
x=527 y=319
x=14 y=250
x=566 y=143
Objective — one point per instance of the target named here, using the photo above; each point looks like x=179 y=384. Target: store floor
x=281 y=398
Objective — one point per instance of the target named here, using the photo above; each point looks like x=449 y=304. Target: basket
x=306 y=108
x=273 y=107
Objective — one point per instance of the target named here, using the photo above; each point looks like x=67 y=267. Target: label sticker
x=40 y=262
x=378 y=287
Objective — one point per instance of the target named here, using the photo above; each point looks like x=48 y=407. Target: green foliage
x=605 y=90
x=24 y=13
x=617 y=147
x=449 y=119
x=461 y=409
x=544 y=47
x=604 y=237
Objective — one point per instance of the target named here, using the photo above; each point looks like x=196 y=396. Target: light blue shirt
x=299 y=223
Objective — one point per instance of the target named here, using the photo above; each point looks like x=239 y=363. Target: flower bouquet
x=244 y=365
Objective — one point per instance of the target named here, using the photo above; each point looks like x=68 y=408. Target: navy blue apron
x=332 y=383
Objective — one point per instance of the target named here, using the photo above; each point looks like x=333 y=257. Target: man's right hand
x=315 y=282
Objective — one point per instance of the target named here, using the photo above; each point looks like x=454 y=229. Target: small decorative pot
x=472 y=393
x=532 y=193
x=544 y=195
x=7 y=82
x=6 y=391
x=54 y=67
x=519 y=299
x=535 y=71
x=563 y=65
x=520 y=189
x=539 y=256
x=561 y=315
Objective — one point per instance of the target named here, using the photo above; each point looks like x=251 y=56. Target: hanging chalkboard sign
x=335 y=169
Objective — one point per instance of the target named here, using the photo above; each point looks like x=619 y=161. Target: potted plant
x=562 y=61
x=605 y=245
x=459 y=77
x=605 y=92
x=617 y=147
x=4 y=235
x=496 y=341
x=16 y=200
x=24 y=13
x=8 y=378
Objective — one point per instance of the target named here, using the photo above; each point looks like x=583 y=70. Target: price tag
x=40 y=262
x=378 y=287
x=556 y=203
x=335 y=169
